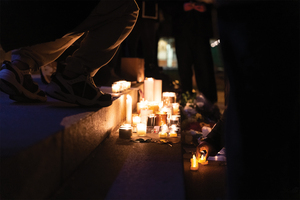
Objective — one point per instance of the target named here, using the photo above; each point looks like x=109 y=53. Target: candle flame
x=194 y=161
x=202 y=157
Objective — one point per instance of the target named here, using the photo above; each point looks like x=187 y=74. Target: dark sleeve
x=216 y=136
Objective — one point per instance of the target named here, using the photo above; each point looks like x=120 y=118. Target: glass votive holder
x=125 y=131
x=169 y=98
x=141 y=129
x=161 y=118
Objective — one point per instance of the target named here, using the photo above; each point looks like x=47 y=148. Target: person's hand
x=188 y=6
x=205 y=146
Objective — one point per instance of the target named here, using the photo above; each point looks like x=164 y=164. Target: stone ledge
x=58 y=146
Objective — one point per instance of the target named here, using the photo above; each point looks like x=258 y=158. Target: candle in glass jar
x=175 y=108
x=135 y=119
x=194 y=164
x=141 y=129
x=154 y=106
x=161 y=118
x=125 y=131
x=169 y=98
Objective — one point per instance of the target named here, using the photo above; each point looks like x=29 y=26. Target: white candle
x=141 y=129
x=148 y=89
x=157 y=90
x=128 y=109
x=194 y=164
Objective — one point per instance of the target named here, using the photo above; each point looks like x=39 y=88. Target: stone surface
x=43 y=144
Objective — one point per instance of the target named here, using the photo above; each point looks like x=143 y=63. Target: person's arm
x=214 y=141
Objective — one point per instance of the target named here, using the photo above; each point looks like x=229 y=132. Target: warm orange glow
x=194 y=163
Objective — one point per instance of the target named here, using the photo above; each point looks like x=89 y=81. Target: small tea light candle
x=194 y=164
x=125 y=131
x=173 y=134
x=202 y=160
x=163 y=134
x=141 y=129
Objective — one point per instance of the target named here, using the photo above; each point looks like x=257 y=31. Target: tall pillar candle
x=148 y=89
x=157 y=90
x=128 y=109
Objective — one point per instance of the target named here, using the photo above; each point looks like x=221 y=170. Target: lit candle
x=173 y=134
x=128 y=84
x=122 y=85
x=174 y=120
x=169 y=98
x=161 y=119
x=128 y=109
x=164 y=128
x=141 y=129
x=157 y=90
x=115 y=87
x=141 y=105
x=175 y=108
x=148 y=89
x=194 y=164
x=162 y=134
x=168 y=110
x=202 y=160
x=153 y=106
x=135 y=119
x=144 y=115
x=125 y=131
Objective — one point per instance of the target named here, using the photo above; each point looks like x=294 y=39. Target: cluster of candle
x=157 y=112
x=194 y=162
x=120 y=86
x=157 y=117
